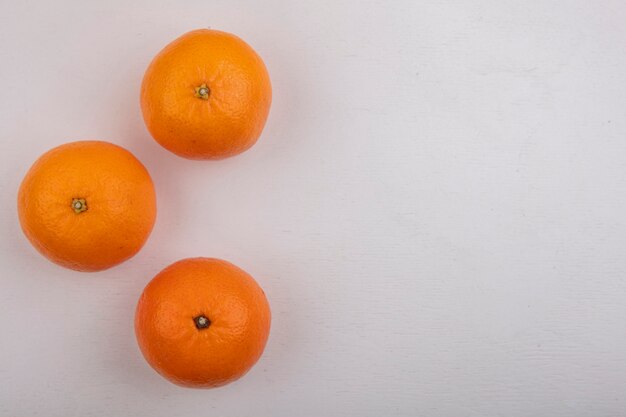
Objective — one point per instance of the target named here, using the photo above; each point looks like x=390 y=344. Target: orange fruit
x=87 y=205
x=206 y=95
x=202 y=322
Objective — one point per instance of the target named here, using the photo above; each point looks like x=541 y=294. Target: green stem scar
x=79 y=205
x=202 y=92
x=201 y=322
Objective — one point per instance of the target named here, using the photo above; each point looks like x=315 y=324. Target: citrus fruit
x=202 y=322
x=87 y=205
x=206 y=95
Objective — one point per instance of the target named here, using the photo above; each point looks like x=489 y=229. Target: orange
x=202 y=322
x=87 y=205
x=206 y=95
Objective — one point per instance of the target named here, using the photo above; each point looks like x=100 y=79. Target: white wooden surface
x=436 y=208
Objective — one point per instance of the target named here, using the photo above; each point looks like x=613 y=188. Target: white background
x=436 y=208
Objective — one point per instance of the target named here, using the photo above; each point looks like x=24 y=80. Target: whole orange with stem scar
x=206 y=95
x=202 y=322
x=87 y=205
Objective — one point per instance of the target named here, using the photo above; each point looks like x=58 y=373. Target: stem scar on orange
x=206 y=95
x=87 y=205
x=202 y=322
